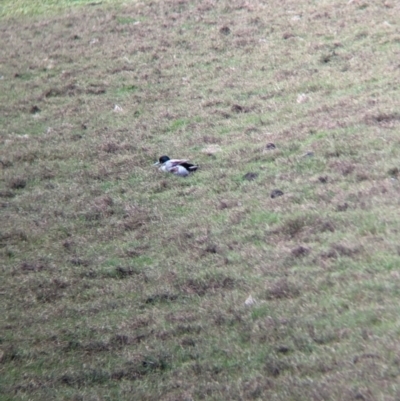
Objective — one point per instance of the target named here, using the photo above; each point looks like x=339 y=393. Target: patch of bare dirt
x=343 y=167
x=338 y=250
x=202 y=287
x=7 y=194
x=34 y=267
x=300 y=251
x=17 y=183
x=182 y=317
x=292 y=227
x=386 y=120
x=160 y=298
x=282 y=289
x=50 y=291
x=12 y=237
x=73 y=90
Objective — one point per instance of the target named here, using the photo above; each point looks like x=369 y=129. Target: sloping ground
x=120 y=282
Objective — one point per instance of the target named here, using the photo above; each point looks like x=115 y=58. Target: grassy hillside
x=119 y=282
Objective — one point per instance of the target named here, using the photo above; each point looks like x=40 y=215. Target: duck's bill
x=156 y=163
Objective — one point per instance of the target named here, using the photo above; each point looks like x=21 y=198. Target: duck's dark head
x=163 y=159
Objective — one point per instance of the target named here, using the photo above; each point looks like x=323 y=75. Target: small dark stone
x=323 y=179
x=237 y=108
x=34 y=110
x=225 y=30
x=283 y=349
x=270 y=146
x=250 y=176
x=276 y=193
x=287 y=35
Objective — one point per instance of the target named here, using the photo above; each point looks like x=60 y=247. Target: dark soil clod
x=250 y=176
x=270 y=146
x=386 y=117
x=287 y=35
x=237 y=108
x=68 y=245
x=34 y=110
x=212 y=248
x=276 y=193
x=300 y=251
x=283 y=349
x=225 y=30
x=17 y=183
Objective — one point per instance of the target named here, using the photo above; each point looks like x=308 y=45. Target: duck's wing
x=189 y=166
x=176 y=162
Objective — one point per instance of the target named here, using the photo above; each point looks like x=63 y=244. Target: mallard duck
x=178 y=167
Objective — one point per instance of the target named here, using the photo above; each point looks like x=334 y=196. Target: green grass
x=118 y=281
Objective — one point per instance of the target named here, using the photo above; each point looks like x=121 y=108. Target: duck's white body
x=179 y=167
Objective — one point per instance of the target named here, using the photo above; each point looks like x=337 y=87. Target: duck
x=179 y=167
